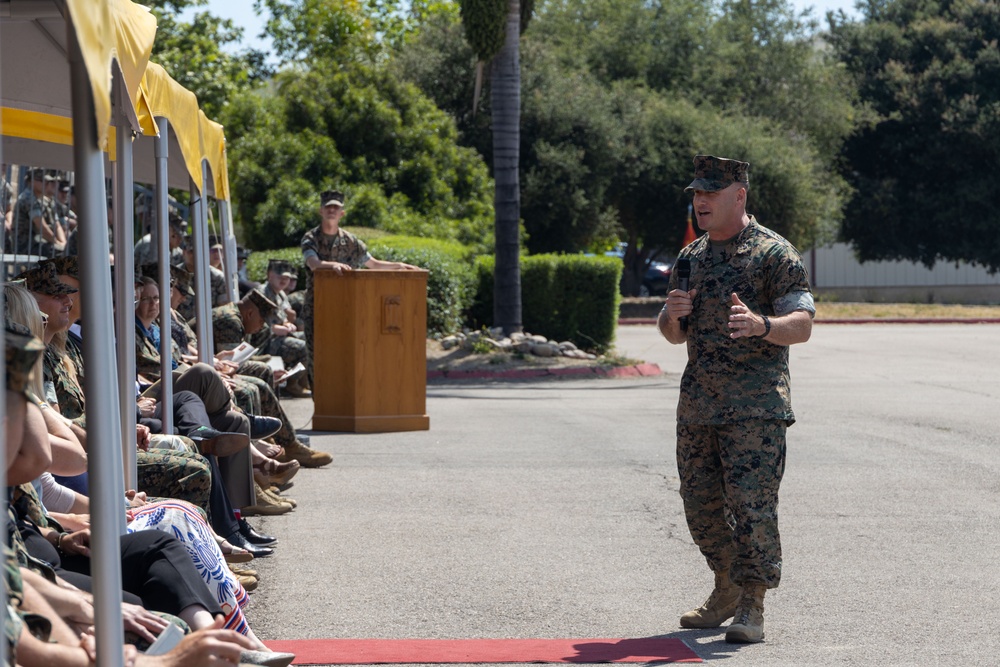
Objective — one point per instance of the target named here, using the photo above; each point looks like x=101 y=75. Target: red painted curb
x=632 y=321
x=619 y=372
x=519 y=373
x=580 y=370
x=648 y=370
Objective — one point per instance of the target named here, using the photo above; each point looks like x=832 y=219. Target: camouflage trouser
x=245 y=395
x=291 y=349
x=172 y=474
x=177 y=443
x=263 y=380
x=730 y=474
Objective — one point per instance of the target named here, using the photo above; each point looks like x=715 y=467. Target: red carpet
x=401 y=651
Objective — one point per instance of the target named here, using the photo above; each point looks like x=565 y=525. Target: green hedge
x=448 y=283
x=563 y=297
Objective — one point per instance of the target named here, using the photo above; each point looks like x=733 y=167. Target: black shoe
x=253 y=537
x=203 y=433
x=261 y=427
x=237 y=540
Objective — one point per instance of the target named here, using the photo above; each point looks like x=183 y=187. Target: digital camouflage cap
x=717 y=173
x=331 y=198
x=281 y=267
x=23 y=350
x=65 y=266
x=44 y=279
x=266 y=307
x=179 y=276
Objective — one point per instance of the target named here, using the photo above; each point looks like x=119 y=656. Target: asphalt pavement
x=549 y=509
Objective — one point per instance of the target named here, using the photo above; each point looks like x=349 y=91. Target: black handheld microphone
x=683 y=269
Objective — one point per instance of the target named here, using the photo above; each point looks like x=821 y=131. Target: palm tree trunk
x=506 y=111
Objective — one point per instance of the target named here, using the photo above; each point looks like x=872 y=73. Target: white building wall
x=836 y=266
x=837 y=274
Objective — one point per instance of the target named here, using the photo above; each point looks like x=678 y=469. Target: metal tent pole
x=101 y=385
x=124 y=284
x=229 y=259
x=203 y=291
x=162 y=231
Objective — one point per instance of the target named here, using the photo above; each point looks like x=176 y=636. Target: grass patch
x=838 y=311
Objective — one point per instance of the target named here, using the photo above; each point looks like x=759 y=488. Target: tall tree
x=930 y=74
x=493 y=28
x=619 y=95
x=505 y=96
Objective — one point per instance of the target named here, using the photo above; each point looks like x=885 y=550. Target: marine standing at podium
x=328 y=247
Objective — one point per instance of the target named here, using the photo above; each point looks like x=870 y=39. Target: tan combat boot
x=308 y=458
x=298 y=387
x=266 y=504
x=719 y=606
x=748 y=622
x=278 y=498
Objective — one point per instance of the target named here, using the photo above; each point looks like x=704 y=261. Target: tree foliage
x=304 y=31
x=483 y=21
x=620 y=95
x=192 y=52
x=361 y=130
x=930 y=72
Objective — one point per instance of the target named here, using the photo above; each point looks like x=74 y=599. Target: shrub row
x=566 y=297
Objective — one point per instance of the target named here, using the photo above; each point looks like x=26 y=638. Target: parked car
x=655 y=279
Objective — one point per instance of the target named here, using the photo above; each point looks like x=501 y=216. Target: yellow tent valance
x=213 y=145
x=165 y=98
x=46 y=127
x=118 y=30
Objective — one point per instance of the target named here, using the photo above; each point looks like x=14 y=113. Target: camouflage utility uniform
x=735 y=403
x=342 y=247
x=27 y=240
x=291 y=348
x=61 y=388
x=296 y=301
x=219 y=293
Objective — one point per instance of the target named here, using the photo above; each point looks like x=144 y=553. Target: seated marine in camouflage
x=281 y=337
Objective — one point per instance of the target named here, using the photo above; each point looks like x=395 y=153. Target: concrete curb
x=636 y=370
x=629 y=321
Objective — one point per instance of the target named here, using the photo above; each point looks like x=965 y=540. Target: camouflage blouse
x=262 y=339
x=343 y=247
x=732 y=380
x=220 y=296
x=61 y=387
x=227 y=327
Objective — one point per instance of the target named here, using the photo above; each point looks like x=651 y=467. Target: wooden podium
x=370 y=351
